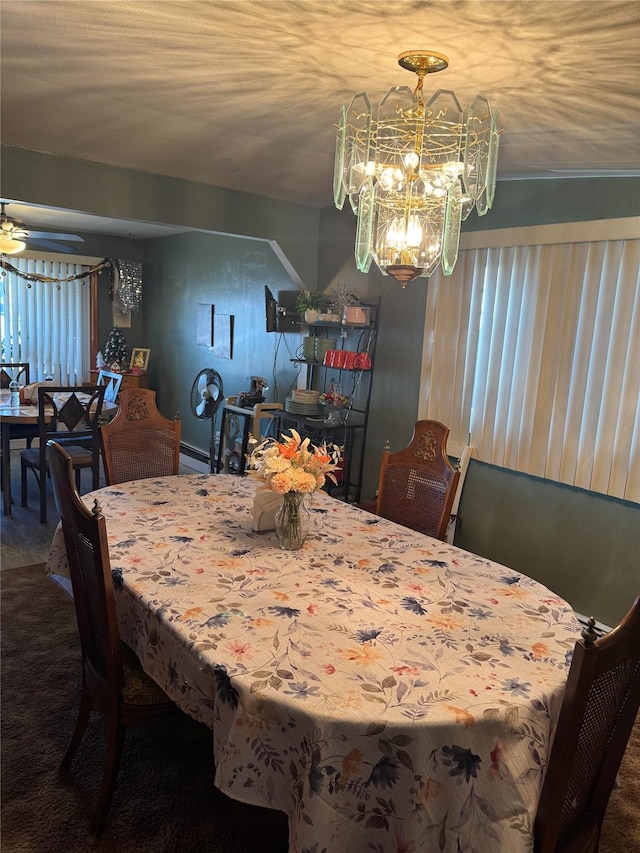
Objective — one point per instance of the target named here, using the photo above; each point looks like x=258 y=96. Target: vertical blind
x=532 y=355
x=47 y=323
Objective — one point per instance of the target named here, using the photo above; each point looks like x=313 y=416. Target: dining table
x=25 y=413
x=387 y=691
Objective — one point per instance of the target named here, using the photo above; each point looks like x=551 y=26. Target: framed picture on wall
x=139 y=359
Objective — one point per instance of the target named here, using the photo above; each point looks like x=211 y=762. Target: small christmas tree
x=116 y=351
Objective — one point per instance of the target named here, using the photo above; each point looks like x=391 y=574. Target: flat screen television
x=270 y=310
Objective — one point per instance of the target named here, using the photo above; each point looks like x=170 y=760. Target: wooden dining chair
x=599 y=707
x=19 y=371
x=139 y=442
x=417 y=485
x=113 y=680
x=69 y=415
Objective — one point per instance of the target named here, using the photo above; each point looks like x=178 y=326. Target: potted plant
x=310 y=304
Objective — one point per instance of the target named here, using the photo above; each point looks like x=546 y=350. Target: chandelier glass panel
x=413 y=171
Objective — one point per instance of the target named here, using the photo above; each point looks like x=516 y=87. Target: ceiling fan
x=14 y=236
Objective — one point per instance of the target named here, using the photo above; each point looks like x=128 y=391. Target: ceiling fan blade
x=48 y=244
x=214 y=391
x=202 y=405
x=53 y=235
x=202 y=382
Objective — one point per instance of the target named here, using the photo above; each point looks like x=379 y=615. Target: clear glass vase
x=293 y=521
x=335 y=415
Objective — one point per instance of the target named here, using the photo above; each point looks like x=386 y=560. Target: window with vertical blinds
x=532 y=355
x=46 y=323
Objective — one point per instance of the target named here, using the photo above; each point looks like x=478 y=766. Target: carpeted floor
x=165 y=801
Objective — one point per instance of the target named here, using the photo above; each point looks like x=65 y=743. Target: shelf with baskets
x=338 y=358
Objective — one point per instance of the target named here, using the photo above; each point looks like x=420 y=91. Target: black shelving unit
x=355 y=383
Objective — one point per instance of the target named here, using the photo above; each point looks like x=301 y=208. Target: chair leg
x=116 y=742
x=42 y=481
x=23 y=484
x=81 y=725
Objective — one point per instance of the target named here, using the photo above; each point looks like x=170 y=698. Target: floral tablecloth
x=388 y=691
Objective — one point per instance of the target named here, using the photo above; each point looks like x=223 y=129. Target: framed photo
x=222 y=336
x=204 y=325
x=139 y=359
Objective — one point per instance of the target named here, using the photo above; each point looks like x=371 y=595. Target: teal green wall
x=544 y=202
x=230 y=273
x=47 y=179
x=583 y=546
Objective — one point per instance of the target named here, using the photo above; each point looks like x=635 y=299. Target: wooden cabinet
x=129 y=380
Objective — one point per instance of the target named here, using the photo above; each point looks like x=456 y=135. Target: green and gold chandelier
x=413 y=171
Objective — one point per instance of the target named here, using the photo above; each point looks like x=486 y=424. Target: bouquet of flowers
x=333 y=397
x=294 y=464
x=294 y=468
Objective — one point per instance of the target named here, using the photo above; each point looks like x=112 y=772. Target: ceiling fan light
x=11 y=245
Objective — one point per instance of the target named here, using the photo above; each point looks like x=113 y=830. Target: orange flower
x=429 y=789
x=281 y=596
x=191 y=613
x=463 y=718
x=513 y=592
x=351 y=764
x=259 y=622
x=227 y=564
x=288 y=451
x=363 y=655
x=539 y=650
x=447 y=623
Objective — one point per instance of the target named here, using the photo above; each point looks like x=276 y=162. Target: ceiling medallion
x=414 y=171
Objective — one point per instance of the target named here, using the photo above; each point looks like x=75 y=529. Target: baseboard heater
x=194 y=458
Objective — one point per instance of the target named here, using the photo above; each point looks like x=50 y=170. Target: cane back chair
x=140 y=442
x=600 y=705
x=112 y=679
x=417 y=485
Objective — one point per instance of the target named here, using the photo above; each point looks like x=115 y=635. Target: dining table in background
x=11 y=415
x=387 y=691
x=25 y=413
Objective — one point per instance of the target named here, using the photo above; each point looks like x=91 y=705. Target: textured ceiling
x=245 y=93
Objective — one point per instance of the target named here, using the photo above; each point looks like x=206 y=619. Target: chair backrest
x=112 y=382
x=140 y=442
x=18 y=371
x=69 y=414
x=417 y=485
x=85 y=537
x=598 y=711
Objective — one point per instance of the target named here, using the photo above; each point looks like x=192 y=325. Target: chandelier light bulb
x=411 y=160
